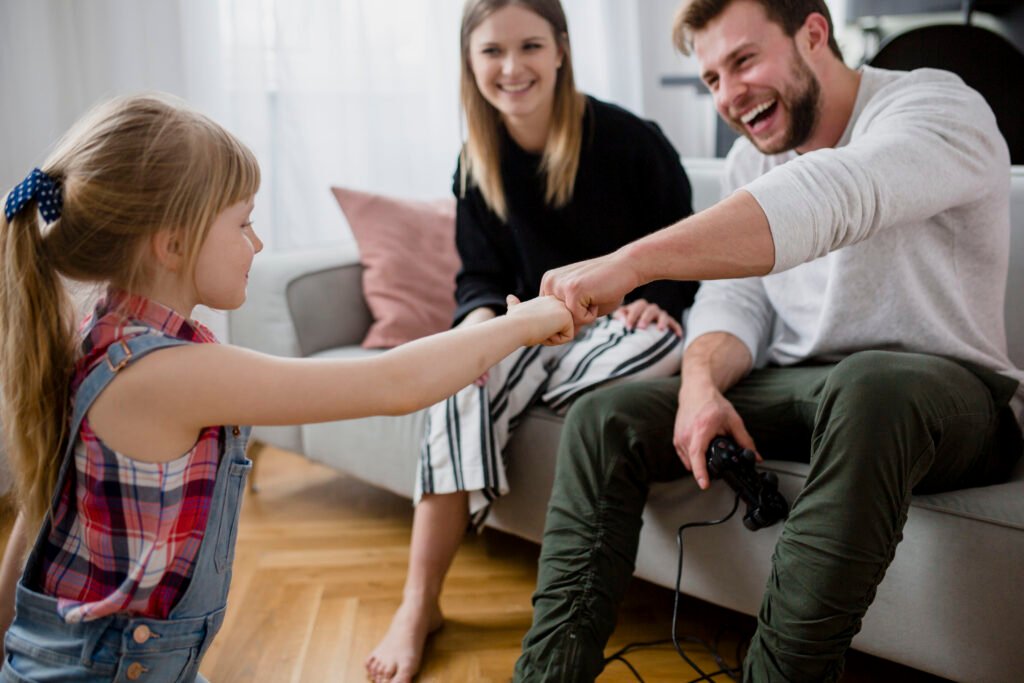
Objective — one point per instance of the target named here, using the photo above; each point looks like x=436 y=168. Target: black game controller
x=759 y=490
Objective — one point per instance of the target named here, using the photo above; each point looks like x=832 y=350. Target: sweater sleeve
x=663 y=197
x=485 y=278
x=925 y=144
x=739 y=306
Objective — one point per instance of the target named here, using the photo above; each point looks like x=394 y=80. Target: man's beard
x=805 y=108
x=803 y=104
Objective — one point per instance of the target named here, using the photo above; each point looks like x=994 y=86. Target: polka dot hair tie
x=41 y=187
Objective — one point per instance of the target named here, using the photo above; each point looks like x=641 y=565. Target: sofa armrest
x=328 y=308
x=301 y=302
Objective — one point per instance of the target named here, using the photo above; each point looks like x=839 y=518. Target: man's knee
x=874 y=385
x=912 y=408
x=622 y=413
x=626 y=428
x=630 y=403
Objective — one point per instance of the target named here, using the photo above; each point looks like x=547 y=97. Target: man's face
x=761 y=84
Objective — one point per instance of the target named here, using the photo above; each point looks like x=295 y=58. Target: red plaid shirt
x=126 y=533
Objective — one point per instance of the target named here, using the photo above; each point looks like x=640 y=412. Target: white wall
x=685 y=113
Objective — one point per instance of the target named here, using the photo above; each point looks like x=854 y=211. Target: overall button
x=236 y=431
x=135 y=671
x=141 y=634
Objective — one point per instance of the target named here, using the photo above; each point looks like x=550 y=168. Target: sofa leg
x=253 y=451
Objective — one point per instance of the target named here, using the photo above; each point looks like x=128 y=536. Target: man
x=868 y=223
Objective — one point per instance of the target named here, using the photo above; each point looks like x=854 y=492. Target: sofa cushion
x=407 y=248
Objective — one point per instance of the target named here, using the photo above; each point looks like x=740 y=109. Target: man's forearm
x=728 y=240
x=715 y=361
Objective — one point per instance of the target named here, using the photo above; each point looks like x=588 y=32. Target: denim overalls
x=40 y=646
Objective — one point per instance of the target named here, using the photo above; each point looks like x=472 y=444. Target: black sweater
x=630 y=183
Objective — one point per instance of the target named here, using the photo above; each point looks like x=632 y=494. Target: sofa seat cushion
x=1002 y=504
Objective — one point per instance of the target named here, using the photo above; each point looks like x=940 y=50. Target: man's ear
x=168 y=249
x=814 y=34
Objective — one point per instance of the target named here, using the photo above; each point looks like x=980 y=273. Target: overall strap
x=119 y=355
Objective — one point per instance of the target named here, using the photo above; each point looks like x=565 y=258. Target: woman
x=548 y=176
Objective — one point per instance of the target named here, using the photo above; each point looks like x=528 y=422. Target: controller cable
x=724 y=669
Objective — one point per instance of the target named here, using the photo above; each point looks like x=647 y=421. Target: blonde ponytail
x=36 y=357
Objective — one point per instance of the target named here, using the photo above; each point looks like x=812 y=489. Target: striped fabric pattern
x=463 y=448
x=126 y=533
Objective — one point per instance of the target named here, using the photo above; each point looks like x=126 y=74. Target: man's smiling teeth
x=515 y=87
x=750 y=115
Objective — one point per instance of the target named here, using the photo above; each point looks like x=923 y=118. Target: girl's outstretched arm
x=156 y=407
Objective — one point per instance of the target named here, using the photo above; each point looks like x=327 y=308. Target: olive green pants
x=875 y=428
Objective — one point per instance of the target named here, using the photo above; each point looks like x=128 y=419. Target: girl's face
x=222 y=268
x=515 y=58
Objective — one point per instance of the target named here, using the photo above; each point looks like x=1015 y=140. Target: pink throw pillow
x=407 y=248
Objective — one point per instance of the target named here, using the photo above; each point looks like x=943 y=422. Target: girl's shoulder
x=119 y=317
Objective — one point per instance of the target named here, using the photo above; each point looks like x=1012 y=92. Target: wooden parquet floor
x=318 y=572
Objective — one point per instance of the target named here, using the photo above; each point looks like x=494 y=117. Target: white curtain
x=360 y=93
x=59 y=57
x=605 y=37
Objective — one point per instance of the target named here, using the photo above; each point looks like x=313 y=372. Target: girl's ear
x=168 y=250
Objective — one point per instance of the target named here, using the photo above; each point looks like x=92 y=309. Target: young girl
x=125 y=439
x=547 y=177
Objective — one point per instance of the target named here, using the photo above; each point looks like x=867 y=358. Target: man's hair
x=695 y=15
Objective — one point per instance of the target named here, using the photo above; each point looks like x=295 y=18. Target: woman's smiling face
x=515 y=56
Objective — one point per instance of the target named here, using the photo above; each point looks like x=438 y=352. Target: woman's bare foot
x=397 y=657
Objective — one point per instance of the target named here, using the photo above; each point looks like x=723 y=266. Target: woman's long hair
x=130 y=168
x=481 y=155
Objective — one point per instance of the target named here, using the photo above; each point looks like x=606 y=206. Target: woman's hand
x=642 y=313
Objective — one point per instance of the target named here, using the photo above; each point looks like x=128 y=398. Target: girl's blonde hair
x=130 y=168
x=480 y=160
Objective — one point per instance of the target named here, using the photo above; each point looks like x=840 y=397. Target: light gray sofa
x=951 y=603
